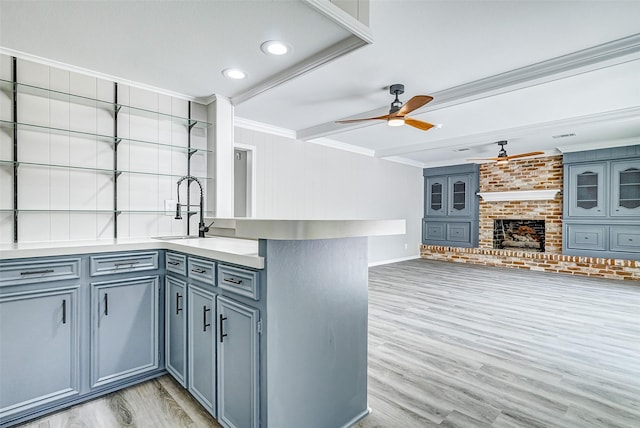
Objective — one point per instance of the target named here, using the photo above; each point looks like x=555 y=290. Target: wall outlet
x=406 y=246
x=170 y=207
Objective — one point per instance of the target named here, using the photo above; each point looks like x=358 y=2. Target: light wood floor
x=453 y=345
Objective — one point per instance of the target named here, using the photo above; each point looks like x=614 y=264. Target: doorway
x=244 y=181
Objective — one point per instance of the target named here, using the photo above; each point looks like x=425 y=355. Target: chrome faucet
x=201 y=226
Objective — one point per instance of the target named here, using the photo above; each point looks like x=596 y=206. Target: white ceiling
x=519 y=71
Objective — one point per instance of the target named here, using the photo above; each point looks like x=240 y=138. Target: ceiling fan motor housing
x=502 y=153
x=396 y=90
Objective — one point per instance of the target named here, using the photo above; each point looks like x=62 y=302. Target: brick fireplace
x=526 y=175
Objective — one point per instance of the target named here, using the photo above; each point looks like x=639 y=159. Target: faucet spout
x=202 y=228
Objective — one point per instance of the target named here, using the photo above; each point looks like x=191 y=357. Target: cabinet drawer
x=176 y=263
x=435 y=231
x=458 y=232
x=12 y=273
x=586 y=237
x=239 y=281
x=202 y=270
x=118 y=263
x=625 y=238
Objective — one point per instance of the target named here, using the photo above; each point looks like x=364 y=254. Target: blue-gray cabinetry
x=238 y=364
x=202 y=346
x=39 y=347
x=76 y=327
x=176 y=328
x=451 y=206
x=124 y=328
x=602 y=203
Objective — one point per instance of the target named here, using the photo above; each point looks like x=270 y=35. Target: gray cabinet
x=176 y=328
x=202 y=346
x=602 y=203
x=625 y=177
x=586 y=195
x=124 y=329
x=451 y=206
x=238 y=357
x=39 y=348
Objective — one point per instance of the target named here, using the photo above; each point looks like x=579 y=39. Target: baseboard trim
x=388 y=261
x=358 y=418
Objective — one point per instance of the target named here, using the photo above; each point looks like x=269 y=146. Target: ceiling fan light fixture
x=395 y=121
x=275 y=47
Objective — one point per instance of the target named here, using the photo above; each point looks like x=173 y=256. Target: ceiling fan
x=504 y=157
x=398 y=111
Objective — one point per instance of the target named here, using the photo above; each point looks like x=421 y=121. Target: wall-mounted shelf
x=519 y=195
x=86 y=168
x=22 y=129
x=7 y=86
x=99 y=137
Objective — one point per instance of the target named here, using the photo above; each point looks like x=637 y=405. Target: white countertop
x=238 y=243
x=232 y=250
x=251 y=228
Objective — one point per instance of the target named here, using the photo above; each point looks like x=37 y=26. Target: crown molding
x=594 y=58
x=343 y=146
x=96 y=74
x=263 y=127
x=595 y=145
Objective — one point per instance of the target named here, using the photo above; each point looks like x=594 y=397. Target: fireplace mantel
x=519 y=195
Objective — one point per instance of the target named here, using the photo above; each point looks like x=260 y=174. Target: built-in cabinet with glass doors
x=602 y=203
x=451 y=206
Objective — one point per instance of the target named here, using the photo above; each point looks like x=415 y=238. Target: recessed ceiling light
x=275 y=47
x=234 y=73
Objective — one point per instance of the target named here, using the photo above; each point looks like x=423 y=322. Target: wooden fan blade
x=385 y=117
x=413 y=104
x=425 y=126
x=523 y=155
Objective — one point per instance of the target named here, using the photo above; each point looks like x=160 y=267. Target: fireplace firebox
x=517 y=234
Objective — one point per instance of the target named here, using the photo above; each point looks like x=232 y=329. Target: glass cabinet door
x=626 y=188
x=459 y=193
x=586 y=195
x=436 y=196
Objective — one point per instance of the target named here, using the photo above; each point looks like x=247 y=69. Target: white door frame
x=252 y=152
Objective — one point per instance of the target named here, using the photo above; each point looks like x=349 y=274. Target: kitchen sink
x=174 y=238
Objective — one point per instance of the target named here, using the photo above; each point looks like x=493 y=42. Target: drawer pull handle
x=233 y=280
x=172 y=263
x=222 y=334
x=178 y=308
x=64 y=311
x=198 y=270
x=126 y=263
x=36 y=272
x=106 y=304
x=204 y=318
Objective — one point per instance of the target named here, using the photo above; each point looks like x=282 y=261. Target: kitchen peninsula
x=266 y=326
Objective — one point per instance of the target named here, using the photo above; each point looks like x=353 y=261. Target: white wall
x=308 y=181
x=52 y=198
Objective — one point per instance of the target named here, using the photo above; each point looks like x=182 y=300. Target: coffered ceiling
x=524 y=71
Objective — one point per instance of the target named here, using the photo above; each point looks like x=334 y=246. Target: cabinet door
x=625 y=181
x=586 y=190
x=176 y=328
x=39 y=348
x=202 y=346
x=124 y=336
x=459 y=195
x=436 y=196
x=238 y=357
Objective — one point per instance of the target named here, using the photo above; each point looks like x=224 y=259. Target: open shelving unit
x=115 y=108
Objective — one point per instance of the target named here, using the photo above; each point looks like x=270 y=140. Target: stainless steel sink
x=174 y=238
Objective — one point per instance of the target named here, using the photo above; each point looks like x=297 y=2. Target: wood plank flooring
x=455 y=345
